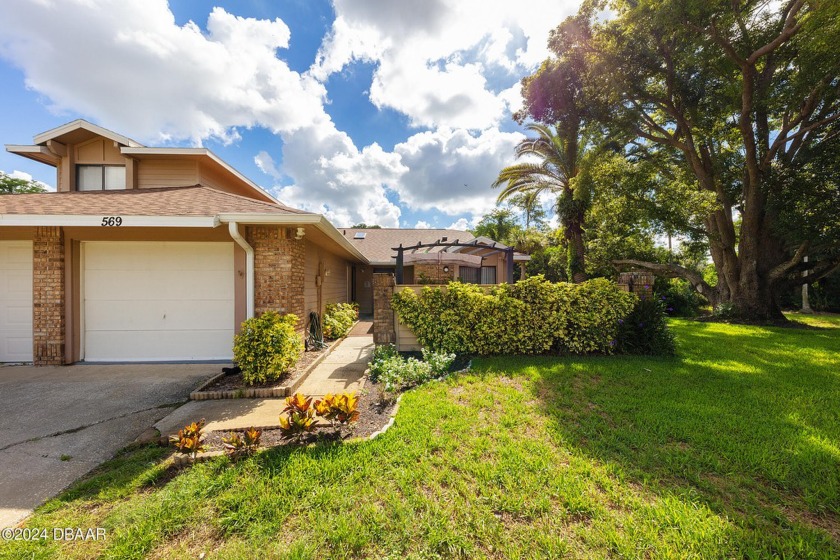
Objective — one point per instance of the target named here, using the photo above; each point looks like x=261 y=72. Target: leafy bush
x=340 y=410
x=645 y=330
x=244 y=444
x=395 y=373
x=267 y=347
x=381 y=354
x=338 y=319
x=678 y=298
x=298 y=418
x=725 y=310
x=439 y=362
x=190 y=439
x=532 y=316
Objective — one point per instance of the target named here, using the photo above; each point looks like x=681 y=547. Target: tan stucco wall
x=155 y=173
x=334 y=283
x=98 y=150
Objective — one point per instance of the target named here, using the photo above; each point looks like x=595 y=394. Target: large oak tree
x=743 y=97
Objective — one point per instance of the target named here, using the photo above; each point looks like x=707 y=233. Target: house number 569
x=111 y=221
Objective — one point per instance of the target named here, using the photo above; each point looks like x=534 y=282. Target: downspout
x=233 y=228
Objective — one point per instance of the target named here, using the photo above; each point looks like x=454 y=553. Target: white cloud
x=452 y=170
x=422 y=224
x=440 y=62
x=128 y=65
x=344 y=183
x=266 y=164
x=460 y=223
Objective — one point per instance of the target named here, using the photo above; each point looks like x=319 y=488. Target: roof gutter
x=316 y=220
x=107 y=220
x=233 y=228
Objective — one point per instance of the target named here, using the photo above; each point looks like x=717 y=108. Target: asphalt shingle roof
x=378 y=244
x=197 y=200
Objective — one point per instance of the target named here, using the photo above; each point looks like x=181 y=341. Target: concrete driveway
x=58 y=423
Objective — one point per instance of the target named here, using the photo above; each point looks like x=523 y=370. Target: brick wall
x=48 y=321
x=383 y=316
x=278 y=270
x=639 y=283
x=433 y=273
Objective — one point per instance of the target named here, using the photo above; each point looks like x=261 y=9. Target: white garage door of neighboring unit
x=15 y=301
x=158 y=301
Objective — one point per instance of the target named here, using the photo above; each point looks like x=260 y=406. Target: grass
x=732 y=449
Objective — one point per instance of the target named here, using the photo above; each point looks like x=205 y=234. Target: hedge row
x=532 y=316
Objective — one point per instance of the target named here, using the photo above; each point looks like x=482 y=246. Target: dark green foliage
x=645 y=330
x=678 y=297
x=532 y=316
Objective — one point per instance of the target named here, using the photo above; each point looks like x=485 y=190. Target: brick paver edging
x=270 y=393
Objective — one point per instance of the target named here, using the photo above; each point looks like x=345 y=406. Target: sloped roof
x=378 y=244
x=197 y=200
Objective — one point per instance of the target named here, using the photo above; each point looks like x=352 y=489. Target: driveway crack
x=96 y=423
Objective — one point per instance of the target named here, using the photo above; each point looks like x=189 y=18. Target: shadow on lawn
x=748 y=426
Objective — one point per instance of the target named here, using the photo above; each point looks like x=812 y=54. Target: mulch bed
x=234 y=381
x=373 y=416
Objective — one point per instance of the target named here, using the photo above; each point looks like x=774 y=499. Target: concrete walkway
x=343 y=370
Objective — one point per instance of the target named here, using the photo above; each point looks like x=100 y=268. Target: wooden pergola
x=508 y=251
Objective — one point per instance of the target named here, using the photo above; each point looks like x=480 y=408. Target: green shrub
x=678 y=297
x=267 y=347
x=395 y=373
x=380 y=355
x=645 y=330
x=338 y=319
x=439 y=362
x=532 y=316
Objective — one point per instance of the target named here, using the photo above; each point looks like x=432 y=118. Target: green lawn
x=731 y=450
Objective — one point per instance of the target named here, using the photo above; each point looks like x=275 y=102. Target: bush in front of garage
x=267 y=347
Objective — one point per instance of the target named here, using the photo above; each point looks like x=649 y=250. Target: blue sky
x=393 y=112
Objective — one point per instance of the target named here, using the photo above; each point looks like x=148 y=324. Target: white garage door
x=158 y=301
x=15 y=301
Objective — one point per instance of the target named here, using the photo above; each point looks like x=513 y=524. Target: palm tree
x=555 y=168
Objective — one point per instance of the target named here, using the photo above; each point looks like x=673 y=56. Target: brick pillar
x=639 y=283
x=278 y=270
x=48 y=321
x=384 y=331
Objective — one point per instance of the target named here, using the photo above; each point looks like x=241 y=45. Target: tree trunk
x=577 y=252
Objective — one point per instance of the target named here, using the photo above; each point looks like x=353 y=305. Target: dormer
x=87 y=157
x=90 y=158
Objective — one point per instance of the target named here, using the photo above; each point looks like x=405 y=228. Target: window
x=488 y=274
x=360 y=235
x=100 y=177
x=469 y=274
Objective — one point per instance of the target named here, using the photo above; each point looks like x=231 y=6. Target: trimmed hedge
x=532 y=316
x=338 y=319
x=267 y=347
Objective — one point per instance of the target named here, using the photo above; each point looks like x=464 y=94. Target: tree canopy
x=14 y=185
x=735 y=105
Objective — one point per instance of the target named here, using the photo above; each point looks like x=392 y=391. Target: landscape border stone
x=263 y=393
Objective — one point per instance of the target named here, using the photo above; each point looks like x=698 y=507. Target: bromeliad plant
x=340 y=410
x=190 y=439
x=298 y=418
x=244 y=444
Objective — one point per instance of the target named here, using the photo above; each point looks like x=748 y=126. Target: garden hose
x=316 y=335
